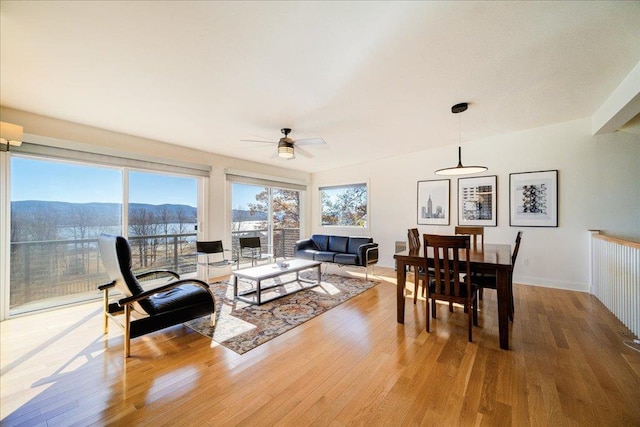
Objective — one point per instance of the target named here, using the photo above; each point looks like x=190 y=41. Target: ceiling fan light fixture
x=285 y=150
x=460 y=169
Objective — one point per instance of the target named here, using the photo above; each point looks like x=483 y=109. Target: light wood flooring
x=353 y=365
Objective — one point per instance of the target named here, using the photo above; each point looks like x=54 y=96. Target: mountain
x=102 y=213
x=106 y=213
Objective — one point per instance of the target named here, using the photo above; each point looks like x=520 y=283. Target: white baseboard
x=551 y=283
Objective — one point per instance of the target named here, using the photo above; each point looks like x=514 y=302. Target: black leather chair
x=166 y=305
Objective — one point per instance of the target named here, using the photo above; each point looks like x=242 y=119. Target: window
x=58 y=210
x=344 y=205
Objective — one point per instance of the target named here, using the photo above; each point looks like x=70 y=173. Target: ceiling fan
x=287 y=147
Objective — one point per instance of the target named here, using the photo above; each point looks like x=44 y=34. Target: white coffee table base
x=272 y=271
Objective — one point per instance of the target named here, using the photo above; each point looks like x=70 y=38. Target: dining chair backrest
x=413 y=237
x=475 y=232
x=516 y=248
x=446 y=263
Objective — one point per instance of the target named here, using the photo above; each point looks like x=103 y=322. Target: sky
x=76 y=183
x=35 y=179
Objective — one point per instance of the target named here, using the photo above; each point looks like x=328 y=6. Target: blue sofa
x=341 y=250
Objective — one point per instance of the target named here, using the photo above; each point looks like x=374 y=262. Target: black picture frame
x=433 y=202
x=533 y=199
x=478 y=201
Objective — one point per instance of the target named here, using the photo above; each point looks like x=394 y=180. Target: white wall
x=599 y=187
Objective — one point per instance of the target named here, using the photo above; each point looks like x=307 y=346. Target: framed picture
x=533 y=199
x=477 y=201
x=433 y=202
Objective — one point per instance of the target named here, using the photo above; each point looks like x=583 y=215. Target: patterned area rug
x=241 y=326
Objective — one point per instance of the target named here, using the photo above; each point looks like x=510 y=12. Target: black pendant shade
x=460 y=169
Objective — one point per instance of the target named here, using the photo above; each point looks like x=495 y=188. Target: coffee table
x=272 y=271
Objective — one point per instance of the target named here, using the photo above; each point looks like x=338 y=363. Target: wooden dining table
x=488 y=258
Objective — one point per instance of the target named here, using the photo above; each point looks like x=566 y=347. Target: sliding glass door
x=271 y=213
x=58 y=210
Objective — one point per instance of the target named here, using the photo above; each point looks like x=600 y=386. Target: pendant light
x=460 y=170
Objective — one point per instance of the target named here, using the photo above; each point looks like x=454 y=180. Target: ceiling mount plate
x=459 y=108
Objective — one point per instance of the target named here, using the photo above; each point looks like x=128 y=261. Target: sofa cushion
x=355 y=242
x=324 y=256
x=338 y=244
x=321 y=241
x=346 y=259
x=306 y=253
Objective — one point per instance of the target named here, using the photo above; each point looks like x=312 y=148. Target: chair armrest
x=146 y=274
x=368 y=253
x=305 y=244
x=106 y=285
x=164 y=288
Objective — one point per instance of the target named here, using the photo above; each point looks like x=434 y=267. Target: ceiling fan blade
x=255 y=140
x=310 y=141
x=302 y=151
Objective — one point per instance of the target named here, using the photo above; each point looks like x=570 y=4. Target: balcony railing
x=284 y=240
x=70 y=270
x=59 y=268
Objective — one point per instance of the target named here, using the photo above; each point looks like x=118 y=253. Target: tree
x=285 y=207
x=142 y=223
x=165 y=219
x=349 y=206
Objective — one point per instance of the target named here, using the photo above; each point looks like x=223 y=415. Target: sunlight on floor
x=326 y=288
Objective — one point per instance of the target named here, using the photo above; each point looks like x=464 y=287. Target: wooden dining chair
x=490 y=280
x=452 y=281
x=475 y=232
x=413 y=238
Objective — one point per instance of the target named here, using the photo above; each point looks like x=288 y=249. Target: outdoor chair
x=251 y=249
x=211 y=254
x=166 y=305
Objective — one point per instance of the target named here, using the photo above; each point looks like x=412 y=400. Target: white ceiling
x=374 y=79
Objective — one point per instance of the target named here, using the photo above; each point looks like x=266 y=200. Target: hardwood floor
x=353 y=365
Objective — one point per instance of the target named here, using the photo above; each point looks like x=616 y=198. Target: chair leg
x=433 y=307
x=451 y=307
x=105 y=324
x=480 y=293
x=513 y=307
x=416 y=286
x=427 y=311
x=127 y=330
x=475 y=312
x=470 y=322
